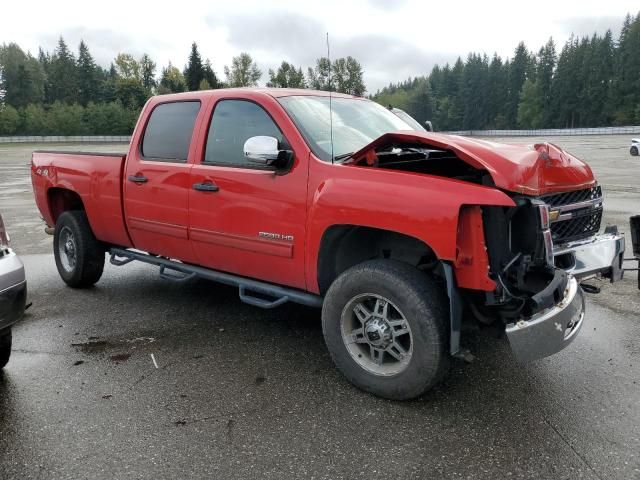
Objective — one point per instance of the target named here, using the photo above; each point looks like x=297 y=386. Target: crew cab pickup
x=333 y=201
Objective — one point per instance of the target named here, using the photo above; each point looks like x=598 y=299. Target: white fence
x=67 y=139
x=549 y=132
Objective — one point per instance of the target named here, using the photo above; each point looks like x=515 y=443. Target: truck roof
x=273 y=92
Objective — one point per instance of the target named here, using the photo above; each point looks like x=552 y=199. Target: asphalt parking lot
x=240 y=392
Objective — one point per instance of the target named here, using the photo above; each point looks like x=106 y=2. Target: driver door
x=246 y=218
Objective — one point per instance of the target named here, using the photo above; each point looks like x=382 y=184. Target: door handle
x=206 y=187
x=138 y=179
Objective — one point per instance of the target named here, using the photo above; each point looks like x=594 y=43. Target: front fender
x=420 y=206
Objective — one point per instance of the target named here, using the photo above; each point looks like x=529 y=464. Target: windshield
x=356 y=123
x=412 y=122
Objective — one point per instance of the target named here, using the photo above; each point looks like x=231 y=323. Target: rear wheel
x=79 y=255
x=634 y=151
x=384 y=325
x=5 y=347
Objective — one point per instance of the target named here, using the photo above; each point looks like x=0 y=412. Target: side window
x=233 y=122
x=168 y=133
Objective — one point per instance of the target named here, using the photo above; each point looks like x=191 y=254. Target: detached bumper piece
x=551 y=330
x=601 y=255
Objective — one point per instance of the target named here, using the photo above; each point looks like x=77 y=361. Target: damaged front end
x=538 y=253
x=541 y=306
x=521 y=266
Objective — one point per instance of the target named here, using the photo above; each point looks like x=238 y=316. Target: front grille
x=577 y=196
x=581 y=225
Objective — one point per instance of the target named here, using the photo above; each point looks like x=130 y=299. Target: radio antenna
x=330 y=102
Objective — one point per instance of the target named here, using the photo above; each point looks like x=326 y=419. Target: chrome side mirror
x=262 y=150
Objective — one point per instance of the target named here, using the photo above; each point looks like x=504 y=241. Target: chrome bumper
x=551 y=330
x=13 y=290
x=602 y=254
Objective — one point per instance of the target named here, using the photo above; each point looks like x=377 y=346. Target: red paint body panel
x=222 y=229
x=472 y=264
x=97 y=179
x=421 y=206
x=225 y=225
x=529 y=169
x=157 y=212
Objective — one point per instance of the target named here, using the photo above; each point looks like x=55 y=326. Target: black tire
x=88 y=253
x=419 y=300
x=5 y=348
x=634 y=151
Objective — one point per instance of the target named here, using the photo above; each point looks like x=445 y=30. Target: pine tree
x=530 y=113
x=148 y=74
x=420 y=100
x=210 y=76
x=496 y=91
x=89 y=76
x=474 y=82
x=62 y=75
x=520 y=65
x=194 y=72
x=547 y=59
x=108 y=87
x=563 y=86
x=626 y=88
x=455 y=114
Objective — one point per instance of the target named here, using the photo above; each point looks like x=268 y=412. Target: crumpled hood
x=529 y=169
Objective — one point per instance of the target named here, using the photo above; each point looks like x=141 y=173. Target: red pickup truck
x=335 y=202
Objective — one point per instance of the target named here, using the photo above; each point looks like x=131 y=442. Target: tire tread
x=417 y=290
x=90 y=252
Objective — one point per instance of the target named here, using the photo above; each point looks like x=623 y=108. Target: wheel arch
x=343 y=246
x=60 y=200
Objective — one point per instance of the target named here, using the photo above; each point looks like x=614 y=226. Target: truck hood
x=528 y=169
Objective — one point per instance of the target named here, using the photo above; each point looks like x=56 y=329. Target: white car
x=13 y=293
x=635 y=146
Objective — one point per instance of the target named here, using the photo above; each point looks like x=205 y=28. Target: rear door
x=156 y=180
x=251 y=220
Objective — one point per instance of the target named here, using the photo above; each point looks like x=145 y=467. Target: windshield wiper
x=344 y=156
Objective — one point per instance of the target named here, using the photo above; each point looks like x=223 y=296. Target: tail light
x=4 y=236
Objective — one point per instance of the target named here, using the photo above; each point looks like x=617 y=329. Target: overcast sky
x=392 y=39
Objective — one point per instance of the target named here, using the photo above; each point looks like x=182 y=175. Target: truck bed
x=95 y=182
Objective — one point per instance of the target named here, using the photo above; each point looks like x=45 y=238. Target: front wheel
x=634 y=151
x=79 y=255
x=384 y=323
x=5 y=347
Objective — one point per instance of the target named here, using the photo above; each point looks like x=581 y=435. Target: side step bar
x=246 y=286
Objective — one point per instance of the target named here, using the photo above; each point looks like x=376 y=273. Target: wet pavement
x=240 y=392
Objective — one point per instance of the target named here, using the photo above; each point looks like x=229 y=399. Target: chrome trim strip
x=596 y=202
